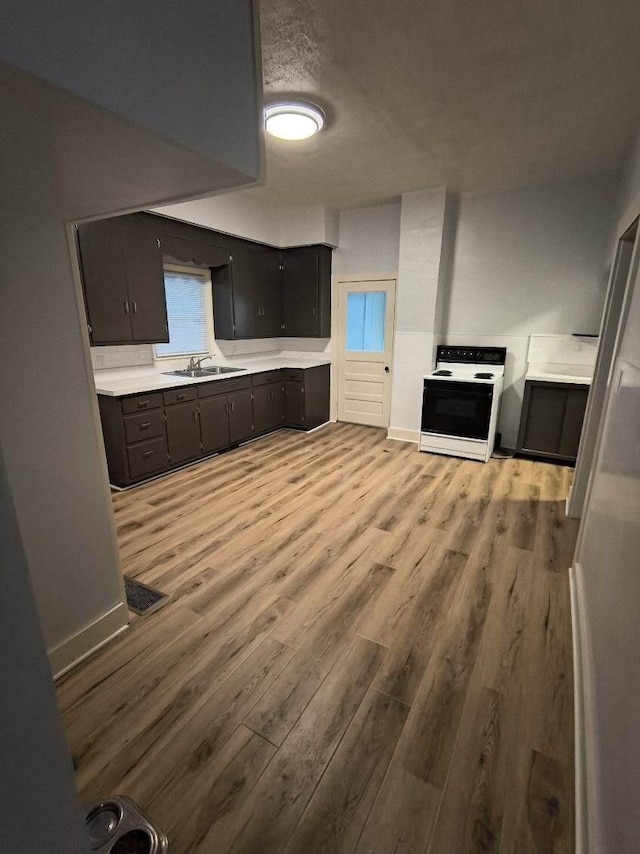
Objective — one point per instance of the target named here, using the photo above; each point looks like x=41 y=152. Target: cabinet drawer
x=141 y=402
x=224 y=386
x=179 y=395
x=295 y=374
x=147 y=458
x=146 y=425
x=267 y=377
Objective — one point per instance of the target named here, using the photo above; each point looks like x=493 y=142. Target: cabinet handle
x=231 y=404
x=226 y=408
x=142 y=404
x=147 y=453
x=195 y=415
x=313 y=311
x=146 y=425
x=126 y=306
x=134 y=306
x=179 y=397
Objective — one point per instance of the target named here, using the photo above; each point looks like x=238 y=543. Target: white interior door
x=365 y=349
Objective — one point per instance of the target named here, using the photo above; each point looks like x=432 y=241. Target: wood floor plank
x=411 y=649
x=128 y=653
x=430 y=733
x=363 y=646
x=402 y=817
x=270 y=814
x=338 y=809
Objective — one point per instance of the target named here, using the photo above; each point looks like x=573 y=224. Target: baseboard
x=75 y=649
x=581 y=792
x=402 y=435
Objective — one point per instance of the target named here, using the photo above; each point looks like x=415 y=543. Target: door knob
x=386 y=369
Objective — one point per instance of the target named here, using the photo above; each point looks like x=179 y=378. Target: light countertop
x=558 y=373
x=118 y=382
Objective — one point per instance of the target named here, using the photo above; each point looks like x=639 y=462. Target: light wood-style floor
x=366 y=649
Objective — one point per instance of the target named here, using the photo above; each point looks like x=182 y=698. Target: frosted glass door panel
x=365 y=321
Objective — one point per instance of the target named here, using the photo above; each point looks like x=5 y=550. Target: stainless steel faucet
x=194 y=364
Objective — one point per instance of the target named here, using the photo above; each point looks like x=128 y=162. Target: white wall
x=608 y=586
x=369 y=241
x=423 y=251
x=53 y=451
x=244 y=215
x=526 y=261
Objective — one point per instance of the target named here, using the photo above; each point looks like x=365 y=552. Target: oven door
x=454 y=408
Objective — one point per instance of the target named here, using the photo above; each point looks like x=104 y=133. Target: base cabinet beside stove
x=551 y=420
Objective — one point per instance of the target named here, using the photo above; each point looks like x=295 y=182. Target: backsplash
x=126 y=356
x=138 y=355
x=562 y=349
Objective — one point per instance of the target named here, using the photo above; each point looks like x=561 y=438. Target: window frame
x=204 y=274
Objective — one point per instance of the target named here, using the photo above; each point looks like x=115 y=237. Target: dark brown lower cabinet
x=147 y=458
x=551 y=420
x=307 y=397
x=183 y=432
x=214 y=423
x=147 y=434
x=240 y=416
x=294 y=403
x=268 y=406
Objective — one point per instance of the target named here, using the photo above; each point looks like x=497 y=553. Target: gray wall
x=39 y=810
x=369 y=241
x=163 y=65
x=608 y=586
x=532 y=260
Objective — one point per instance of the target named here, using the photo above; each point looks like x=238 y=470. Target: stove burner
x=442 y=373
x=483 y=376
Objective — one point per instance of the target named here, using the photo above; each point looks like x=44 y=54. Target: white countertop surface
x=558 y=373
x=117 y=382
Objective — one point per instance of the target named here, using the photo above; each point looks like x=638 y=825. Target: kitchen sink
x=212 y=370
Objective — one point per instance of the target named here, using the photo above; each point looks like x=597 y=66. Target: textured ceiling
x=474 y=95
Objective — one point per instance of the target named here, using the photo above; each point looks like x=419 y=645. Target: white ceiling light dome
x=293 y=120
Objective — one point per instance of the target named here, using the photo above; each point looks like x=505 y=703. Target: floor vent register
x=140 y=598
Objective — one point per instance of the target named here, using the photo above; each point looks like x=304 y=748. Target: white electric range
x=461 y=401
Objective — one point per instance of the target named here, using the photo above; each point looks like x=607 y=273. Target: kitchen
x=473 y=268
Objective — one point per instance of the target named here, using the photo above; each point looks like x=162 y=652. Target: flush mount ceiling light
x=293 y=120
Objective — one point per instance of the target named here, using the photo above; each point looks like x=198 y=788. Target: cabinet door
x=214 y=423
x=276 y=404
x=105 y=282
x=240 y=416
x=294 y=403
x=271 y=295
x=572 y=425
x=246 y=273
x=300 y=296
x=543 y=414
x=145 y=282
x=261 y=408
x=268 y=406
x=183 y=432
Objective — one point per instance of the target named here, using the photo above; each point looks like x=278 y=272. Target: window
x=189 y=313
x=365 y=320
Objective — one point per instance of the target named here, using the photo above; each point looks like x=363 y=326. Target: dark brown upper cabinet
x=123 y=282
x=247 y=294
x=306 y=292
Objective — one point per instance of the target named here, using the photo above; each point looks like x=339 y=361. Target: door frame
x=336 y=326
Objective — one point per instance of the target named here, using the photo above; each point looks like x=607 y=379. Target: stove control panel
x=472 y=355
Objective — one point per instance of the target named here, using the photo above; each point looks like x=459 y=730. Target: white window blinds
x=187 y=315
